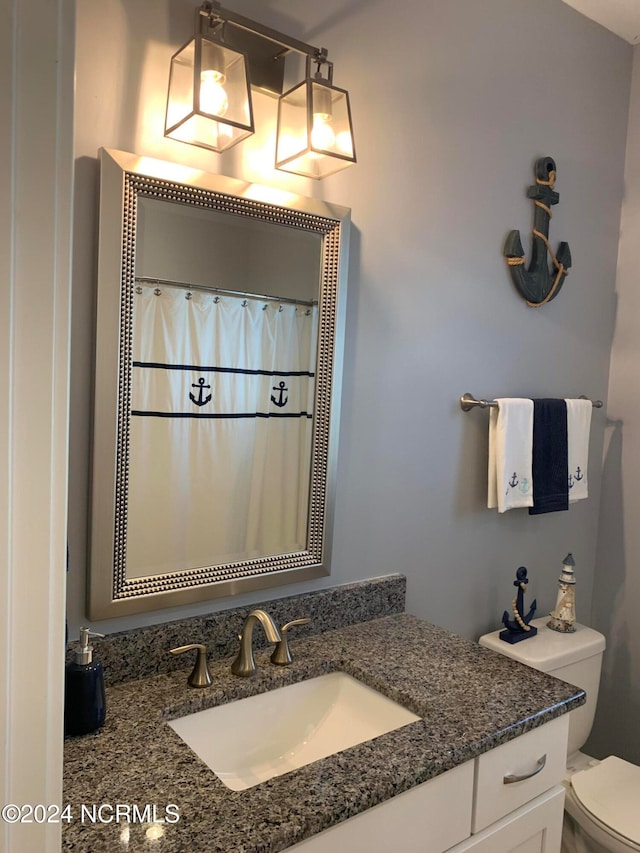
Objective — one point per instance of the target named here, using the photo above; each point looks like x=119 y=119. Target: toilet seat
x=609 y=793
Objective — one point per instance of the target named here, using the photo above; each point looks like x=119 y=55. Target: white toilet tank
x=576 y=658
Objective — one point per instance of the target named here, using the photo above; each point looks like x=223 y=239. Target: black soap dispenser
x=84 y=699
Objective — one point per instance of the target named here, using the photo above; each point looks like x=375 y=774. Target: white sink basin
x=251 y=740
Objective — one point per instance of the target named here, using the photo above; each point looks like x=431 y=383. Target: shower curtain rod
x=468 y=402
x=143 y=279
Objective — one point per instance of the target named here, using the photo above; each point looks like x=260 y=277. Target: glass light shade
x=314 y=136
x=209 y=100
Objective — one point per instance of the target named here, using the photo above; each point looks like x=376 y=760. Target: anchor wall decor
x=538 y=285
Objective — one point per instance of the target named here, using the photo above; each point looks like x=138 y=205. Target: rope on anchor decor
x=535 y=284
x=516 y=613
x=562 y=270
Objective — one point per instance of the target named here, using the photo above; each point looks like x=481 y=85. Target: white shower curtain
x=220 y=428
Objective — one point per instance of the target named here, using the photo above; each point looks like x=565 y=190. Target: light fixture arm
x=215 y=14
x=320 y=60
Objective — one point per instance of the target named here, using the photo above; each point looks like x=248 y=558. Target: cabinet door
x=534 y=828
x=426 y=819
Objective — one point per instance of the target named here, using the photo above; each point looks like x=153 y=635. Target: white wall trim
x=36 y=168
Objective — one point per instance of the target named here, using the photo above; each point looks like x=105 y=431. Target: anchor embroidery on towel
x=513 y=482
x=579 y=474
x=524 y=486
x=201 y=400
x=571 y=483
x=281 y=401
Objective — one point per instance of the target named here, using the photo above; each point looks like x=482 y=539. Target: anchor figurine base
x=517 y=636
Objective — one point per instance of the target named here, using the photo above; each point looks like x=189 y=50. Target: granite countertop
x=469 y=698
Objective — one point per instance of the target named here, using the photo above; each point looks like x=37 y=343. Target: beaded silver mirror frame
x=124 y=178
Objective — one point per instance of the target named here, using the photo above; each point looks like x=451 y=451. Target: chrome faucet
x=244 y=664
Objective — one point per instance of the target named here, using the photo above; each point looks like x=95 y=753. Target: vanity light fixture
x=209 y=101
x=314 y=136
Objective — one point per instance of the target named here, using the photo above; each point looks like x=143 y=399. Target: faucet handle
x=200 y=676
x=281 y=655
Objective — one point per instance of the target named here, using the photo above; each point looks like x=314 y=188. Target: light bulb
x=344 y=143
x=213 y=97
x=322 y=135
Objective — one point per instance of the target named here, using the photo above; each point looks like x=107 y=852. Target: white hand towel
x=510 y=454
x=578 y=429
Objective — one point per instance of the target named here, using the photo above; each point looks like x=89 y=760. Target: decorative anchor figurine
x=563 y=618
x=518 y=628
x=537 y=285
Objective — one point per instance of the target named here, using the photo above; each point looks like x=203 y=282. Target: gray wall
x=452 y=103
x=616 y=600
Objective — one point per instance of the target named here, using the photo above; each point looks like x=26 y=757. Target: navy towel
x=550 y=467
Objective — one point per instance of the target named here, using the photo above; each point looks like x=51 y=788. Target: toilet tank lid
x=549 y=650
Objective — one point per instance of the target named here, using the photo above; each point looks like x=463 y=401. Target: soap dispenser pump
x=84 y=699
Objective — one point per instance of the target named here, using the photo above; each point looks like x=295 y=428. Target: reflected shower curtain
x=220 y=429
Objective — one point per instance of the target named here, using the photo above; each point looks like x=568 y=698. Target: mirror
x=219 y=337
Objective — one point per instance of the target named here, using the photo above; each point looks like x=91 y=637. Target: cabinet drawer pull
x=507 y=780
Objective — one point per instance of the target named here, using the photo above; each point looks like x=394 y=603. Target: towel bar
x=468 y=402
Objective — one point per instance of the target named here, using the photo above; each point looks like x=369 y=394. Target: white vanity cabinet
x=474 y=807
x=533 y=828
x=429 y=818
